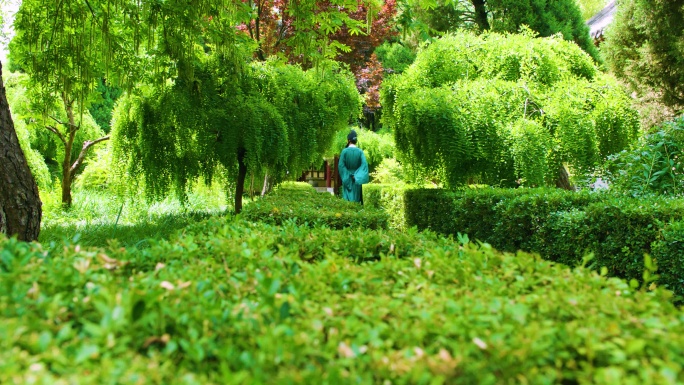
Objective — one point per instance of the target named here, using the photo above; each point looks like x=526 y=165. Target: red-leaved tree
x=273 y=25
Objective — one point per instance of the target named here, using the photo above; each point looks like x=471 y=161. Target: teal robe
x=353 y=162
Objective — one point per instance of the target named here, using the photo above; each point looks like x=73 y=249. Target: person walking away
x=353 y=169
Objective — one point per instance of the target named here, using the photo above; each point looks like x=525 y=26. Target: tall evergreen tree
x=546 y=17
x=644 y=47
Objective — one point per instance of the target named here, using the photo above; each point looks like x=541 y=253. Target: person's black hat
x=351 y=136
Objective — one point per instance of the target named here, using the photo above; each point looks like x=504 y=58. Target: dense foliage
x=273 y=118
x=506 y=110
x=643 y=47
x=562 y=226
x=546 y=18
x=226 y=302
x=395 y=57
x=37 y=120
x=590 y=8
x=301 y=204
x=102 y=106
x=654 y=165
x=389 y=198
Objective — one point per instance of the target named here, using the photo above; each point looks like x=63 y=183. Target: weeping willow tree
x=67 y=46
x=507 y=110
x=274 y=118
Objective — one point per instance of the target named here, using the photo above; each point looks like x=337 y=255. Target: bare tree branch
x=55 y=131
x=86 y=146
x=58 y=121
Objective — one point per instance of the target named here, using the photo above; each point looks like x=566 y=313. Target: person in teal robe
x=353 y=169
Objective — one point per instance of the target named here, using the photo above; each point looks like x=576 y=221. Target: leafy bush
x=520 y=217
x=619 y=231
x=654 y=166
x=228 y=302
x=389 y=171
x=668 y=254
x=389 y=198
x=468 y=211
x=562 y=226
x=395 y=57
x=589 y=8
x=505 y=110
x=300 y=203
x=643 y=48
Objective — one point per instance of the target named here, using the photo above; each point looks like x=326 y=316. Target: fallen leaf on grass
x=345 y=350
x=481 y=344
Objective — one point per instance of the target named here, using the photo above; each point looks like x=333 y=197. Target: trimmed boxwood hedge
x=562 y=226
x=389 y=198
x=300 y=203
x=234 y=302
x=668 y=253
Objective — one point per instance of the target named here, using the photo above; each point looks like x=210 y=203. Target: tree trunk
x=265 y=188
x=564 y=179
x=20 y=206
x=68 y=148
x=66 y=191
x=481 y=14
x=240 y=187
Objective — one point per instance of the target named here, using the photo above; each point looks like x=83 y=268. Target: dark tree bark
x=20 y=205
x=564 y=179
x=68 y=146
x=240 y=187
x=481 y=14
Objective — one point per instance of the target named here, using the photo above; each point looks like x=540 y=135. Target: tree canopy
x=497 y=109
x=273 y=118
x=644 y=47
x=173 y=49
x=547 y=18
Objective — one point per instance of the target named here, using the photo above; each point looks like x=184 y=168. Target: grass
x=98 y=217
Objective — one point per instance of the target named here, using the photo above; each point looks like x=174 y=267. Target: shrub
x=498 y=109
x=668 y=254
x=300 y=203
x=654 y=166
x=395 y=57
x=230 y=302
x=389 y=198
x=562 y=226
x=522 y=215
x=621 y=231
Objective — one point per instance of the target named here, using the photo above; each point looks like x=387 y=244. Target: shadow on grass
x=128 y=235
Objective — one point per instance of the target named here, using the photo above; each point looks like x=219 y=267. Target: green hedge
x=389 y=198
x=234 y=302
x=302 y=204
x=619 y=231
x=562 y=226
x=668 y=254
